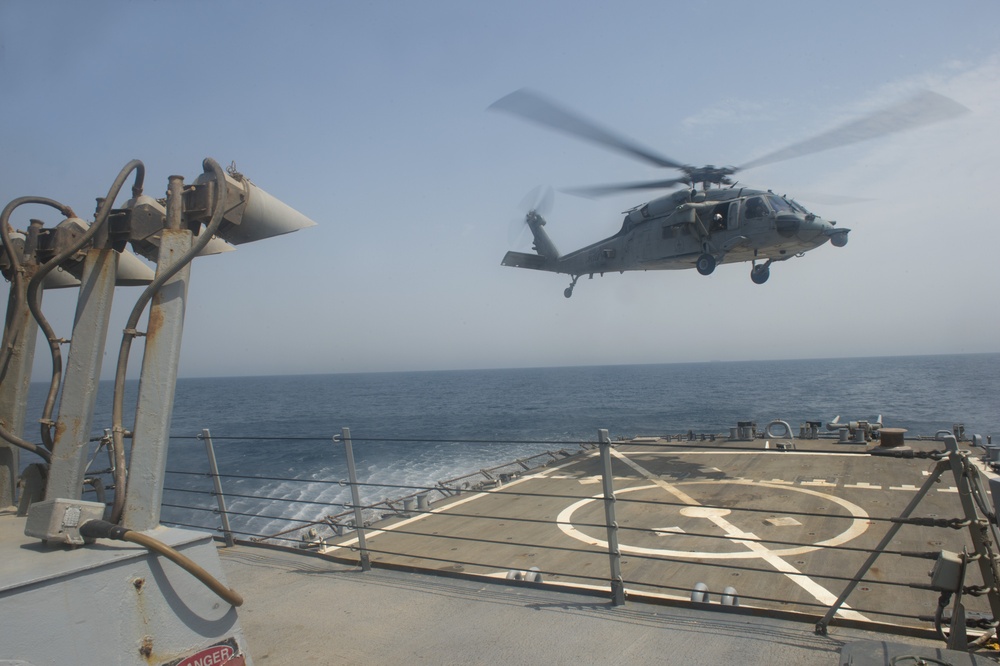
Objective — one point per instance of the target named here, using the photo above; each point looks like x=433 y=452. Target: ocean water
x=417 y=428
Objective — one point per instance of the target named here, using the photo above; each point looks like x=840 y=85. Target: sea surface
x=273 y=436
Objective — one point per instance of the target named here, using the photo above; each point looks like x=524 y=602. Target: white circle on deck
x=857 y=527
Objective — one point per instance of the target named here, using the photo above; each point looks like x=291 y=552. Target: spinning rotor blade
x=923 y=109
x=605 y=190
x=533 y=107
x=538 y=200
x=826 y=199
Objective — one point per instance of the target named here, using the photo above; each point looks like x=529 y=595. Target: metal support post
x=83 y=367
x=359 y=523
x=958 y=636
x=889 y=535
x=965 y=476
x=214 y=469
x=151 y=435
x=614 y=552
x=15 y=379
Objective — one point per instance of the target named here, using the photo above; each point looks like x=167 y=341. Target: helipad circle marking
x=856 y=528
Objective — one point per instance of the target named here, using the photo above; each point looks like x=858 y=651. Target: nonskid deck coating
x=683 y=516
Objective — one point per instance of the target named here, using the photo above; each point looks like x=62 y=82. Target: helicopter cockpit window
x=779 y=204
x=797 y=206
x=755 y=208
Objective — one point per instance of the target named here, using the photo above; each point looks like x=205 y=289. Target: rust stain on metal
x=146 y=648
x=138 y=583
x=155 y=322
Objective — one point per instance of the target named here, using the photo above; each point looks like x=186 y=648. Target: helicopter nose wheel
x=569 y=290
x=705 y=264
x=759 y=274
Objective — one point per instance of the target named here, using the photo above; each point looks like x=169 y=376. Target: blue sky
x=371 y=119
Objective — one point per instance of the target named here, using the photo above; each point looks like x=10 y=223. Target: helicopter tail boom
x=547 y=255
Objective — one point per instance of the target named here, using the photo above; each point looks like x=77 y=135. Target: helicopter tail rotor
x=538 y=202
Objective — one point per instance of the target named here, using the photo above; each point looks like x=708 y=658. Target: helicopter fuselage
x=691 y=229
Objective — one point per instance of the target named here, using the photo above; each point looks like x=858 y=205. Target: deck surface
x=690 y=515
x=304 y=609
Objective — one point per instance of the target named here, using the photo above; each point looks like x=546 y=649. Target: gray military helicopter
x=718 y=224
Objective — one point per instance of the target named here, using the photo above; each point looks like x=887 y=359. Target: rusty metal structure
x=168 y=609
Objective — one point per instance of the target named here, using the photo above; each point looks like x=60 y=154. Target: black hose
x=102 y=529
x=16 y=308
x=34 y=290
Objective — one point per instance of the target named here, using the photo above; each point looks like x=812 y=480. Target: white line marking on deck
x=371 y=535
x=667 y=531
x=784 y=521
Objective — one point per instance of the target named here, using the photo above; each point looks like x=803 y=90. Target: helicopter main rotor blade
x=532 y=106
x=923 y=109
x=605 y=190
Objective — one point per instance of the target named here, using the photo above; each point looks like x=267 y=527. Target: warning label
x=224 y=653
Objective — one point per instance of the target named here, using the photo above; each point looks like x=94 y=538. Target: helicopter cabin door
x=733 y=218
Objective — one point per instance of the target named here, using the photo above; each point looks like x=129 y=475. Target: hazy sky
x=370 y=118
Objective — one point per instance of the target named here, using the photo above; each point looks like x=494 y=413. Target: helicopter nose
x=788 y=225
x=838 y=236
x=809 y=227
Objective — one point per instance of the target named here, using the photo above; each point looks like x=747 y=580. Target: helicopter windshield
x=780 y=205
x=797 y=206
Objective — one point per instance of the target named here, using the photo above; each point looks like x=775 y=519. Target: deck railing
x=325 y=516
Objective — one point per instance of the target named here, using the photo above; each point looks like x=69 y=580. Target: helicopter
x=719 y=223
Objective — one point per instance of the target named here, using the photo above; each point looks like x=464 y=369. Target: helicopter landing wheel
x=705 y=264
x=569 y=290
x=759 y=274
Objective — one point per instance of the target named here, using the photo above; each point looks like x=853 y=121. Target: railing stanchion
x=214 y=469
x=614 y=552
x=359 y=524
x=939 y=468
